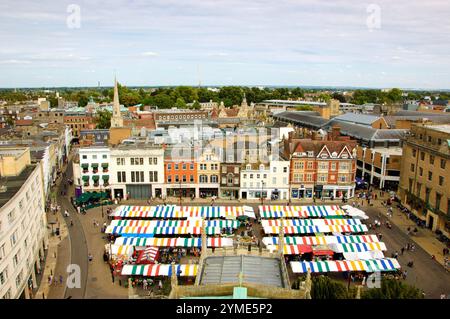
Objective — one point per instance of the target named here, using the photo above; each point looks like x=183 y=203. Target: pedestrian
x=408 y=246
x=405 y=273
x=413 y=247
x=90 y=257
x=396 y=255
x=61 y=279
x=112 y=277
x=50 y=279
x=402 y=250
x=145 y=284
x=160 y=285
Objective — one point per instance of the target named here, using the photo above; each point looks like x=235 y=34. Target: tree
x=180 y=103
x=322 y=287
x=103 y=119
x=196 y=105
x=393 y=289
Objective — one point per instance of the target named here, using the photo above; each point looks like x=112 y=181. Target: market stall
x=317 y=229
x=309 y=222
x=176 y=223
x=277 y=211
x=150 y=231
x=155 y=270
x=174 y=242
x=387 y=264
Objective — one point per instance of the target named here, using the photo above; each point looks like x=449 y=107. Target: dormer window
x=248 y=167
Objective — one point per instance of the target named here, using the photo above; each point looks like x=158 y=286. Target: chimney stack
x=335 y=133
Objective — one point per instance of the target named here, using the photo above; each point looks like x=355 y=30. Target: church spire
x=116 y=119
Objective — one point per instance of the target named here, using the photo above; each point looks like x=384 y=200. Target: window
x=431 y=159
x=177 y=179
x=324 y=165
x=438 y=201
x=430 y=175
x=104 y=156
x=274 y=169
x=155 y=160
x=274 y=180
x=310 y=165
x=420 y=171
x=191 y=178
x=203 y=179
x=3 y=276
x=2 y=251
x=94 y=156
x=11 y=216
x=176 y=167
x=323 y=178
x=414 y=153
x=169 y=179
x=412 y=168
x=333 y=166
x=419 y=189
x=184 y=178
x=191 y=166
x=443 y=163
x=16 y=259
x=14 y=238
x=84 y=156
x=441 y=180
x=342 y=178
x=299 y=165
x=427 y=195
x=19 y=279
x=214 y=179
x=150 y=160
x=169 y=167
x=422 y=156
x=121 y=177
x=120 y=161
x=133 y=177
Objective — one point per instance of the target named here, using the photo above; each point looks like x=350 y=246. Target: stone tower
x=116 y=119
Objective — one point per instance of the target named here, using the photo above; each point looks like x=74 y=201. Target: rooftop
x=440 y=128
x=254 y=269
x=13 y=184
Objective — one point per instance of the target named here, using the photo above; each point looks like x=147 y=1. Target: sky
x=401 y=43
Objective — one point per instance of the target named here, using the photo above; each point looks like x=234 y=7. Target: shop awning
x=105 y=165
x=85 y=178
x=95 y=177
x=94 y=164
x=156 y=270
x=85 y=165
x=105 y=177
x=387 y=264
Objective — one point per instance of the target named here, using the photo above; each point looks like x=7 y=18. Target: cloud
x=249 y=41
x=14 y=62
x=149 y=53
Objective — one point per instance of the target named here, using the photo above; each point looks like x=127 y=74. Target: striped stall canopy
x=317 y=229
x=309 y=222
x=176 y=223
x=174 y=242
x=306 y=240
x=292 y=249
x=120 y=250
x=125 y=230
x=387 y=264
x=322 y=240
x=357 y=247
x=155 y=270
x=268 y=211
x=173 y=211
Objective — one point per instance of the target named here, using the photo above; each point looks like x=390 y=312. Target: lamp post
x=262 y=191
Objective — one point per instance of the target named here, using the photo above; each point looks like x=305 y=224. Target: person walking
x=61 y=279
x=402 y=250
x=90 y=258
